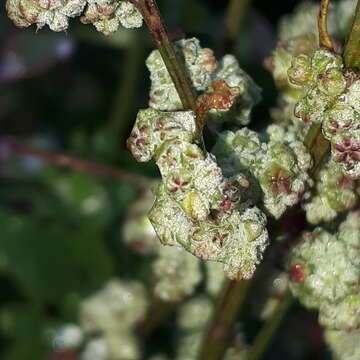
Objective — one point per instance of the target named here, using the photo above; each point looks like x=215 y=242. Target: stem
x=76 y=164
x=317 y=145
x=150 y=12
x=324 y=37
x=270 y=327
x=352 y=47
x=129 y=76
x=217 y=335
x=235 y=15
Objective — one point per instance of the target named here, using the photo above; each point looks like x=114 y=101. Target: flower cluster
x=279 y=167
x=327 y=93
x=106 y=15
x=196 y=207
x=298 y=35
x=325 y=274
x=334 y=193
x=204 y=71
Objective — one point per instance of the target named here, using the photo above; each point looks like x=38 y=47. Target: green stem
x=176 y=69
x=264 y=337
x=218 y=333
x=352 y=47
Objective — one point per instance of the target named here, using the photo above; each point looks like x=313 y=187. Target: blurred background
x=61 y=230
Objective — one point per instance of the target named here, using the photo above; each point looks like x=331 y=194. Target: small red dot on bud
x=226 y=204
x=297 y=273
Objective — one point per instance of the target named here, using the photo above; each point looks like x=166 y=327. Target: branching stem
x=324 y=37
x=235 y=15
x=270 y=327
x=352 y=48
x=150 y=12
x=76 y=164
x=218 y=333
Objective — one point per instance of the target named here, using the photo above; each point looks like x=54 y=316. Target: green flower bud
x=195 y=206
x=337 y=119
x=153 y=128
x=334 y=193
x=300 y=71
x=324 y=60
x=329 y=278
x=107 y=15
x=200 y=64
x=311 y=108
x=169 y=220
x=328 y=275
x=237 y=151
x=280 y=168
x=53 y=13
x=282 y=172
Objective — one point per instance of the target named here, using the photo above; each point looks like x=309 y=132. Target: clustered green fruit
x=203 y=70
x=298 y=35
x=334 y=193
x=196 y=207
x=325 y=274
x=329 y=96
x=279 y=167
x=106 y=15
